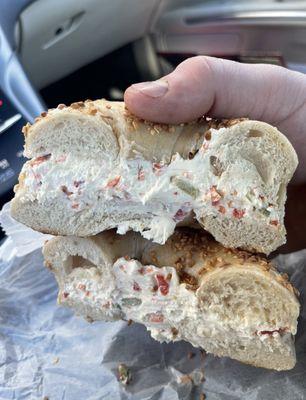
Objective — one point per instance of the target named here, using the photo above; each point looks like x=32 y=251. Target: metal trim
x=260 y=17
x=9 y=122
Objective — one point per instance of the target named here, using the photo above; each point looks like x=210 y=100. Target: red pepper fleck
x=136 y=287
x=39 y=160
x=280 y=331
x=215 y=196
x=87 y=293
x=113 y=182
x=141 y=175
x=145 y=270
x=156 y=318
x=238 y=213
x=180 y=215
x=221 y=209
x=175 y=193
x=162 y=284
x=81 y=286
x=78 y=183
x=274 y=222
x=65 y=295
x=157 y=168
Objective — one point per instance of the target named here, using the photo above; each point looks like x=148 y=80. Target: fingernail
x=152 y=89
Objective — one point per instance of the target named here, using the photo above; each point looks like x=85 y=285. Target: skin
x=227 y=89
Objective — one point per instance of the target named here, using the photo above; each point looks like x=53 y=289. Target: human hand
x=227 y=89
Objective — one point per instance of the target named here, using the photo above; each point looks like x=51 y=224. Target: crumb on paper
x=56 y=360
x=190 y=355
x=46 y=398
x=174 y=331
x=202 y=396
x=185 y=379
x=194 y=378
x=124 y=374
x=129 y=322
x=203 y=353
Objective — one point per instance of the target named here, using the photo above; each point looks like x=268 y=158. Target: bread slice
x=228 y=302
x=94 y=166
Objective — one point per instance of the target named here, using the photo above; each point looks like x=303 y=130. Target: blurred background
x=55 y=51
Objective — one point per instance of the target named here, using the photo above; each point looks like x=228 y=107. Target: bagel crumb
x=174 y=331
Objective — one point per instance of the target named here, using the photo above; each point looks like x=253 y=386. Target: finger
x=219 y=88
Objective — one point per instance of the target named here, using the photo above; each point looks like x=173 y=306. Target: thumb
x=220 y=88
x=226 y=89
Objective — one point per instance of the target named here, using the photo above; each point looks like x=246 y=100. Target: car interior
x=54 y=51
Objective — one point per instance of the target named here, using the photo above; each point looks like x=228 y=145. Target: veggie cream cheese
x=154 y=297
x=167 y=193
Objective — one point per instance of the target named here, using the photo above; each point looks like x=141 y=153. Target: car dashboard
x=11 y=146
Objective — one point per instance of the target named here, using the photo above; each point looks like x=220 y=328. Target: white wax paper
x=47 y=352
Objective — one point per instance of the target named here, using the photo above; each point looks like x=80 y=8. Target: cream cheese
x=154 y=297
x=165 y=193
